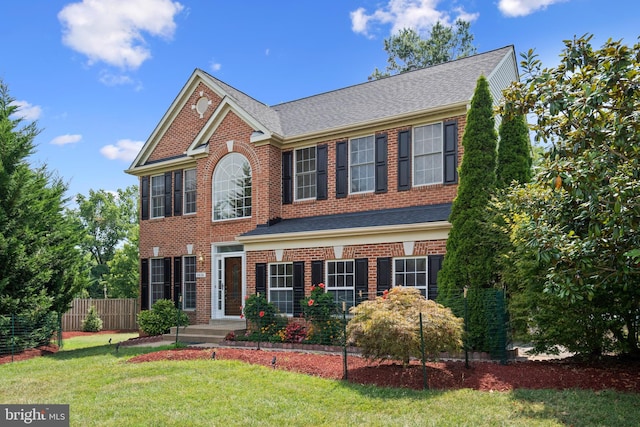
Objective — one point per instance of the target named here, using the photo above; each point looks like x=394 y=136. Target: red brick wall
x=186 y=125
x=172 y=234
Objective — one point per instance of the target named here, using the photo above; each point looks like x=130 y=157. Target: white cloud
x=66 y=139
x=513 y=8
x=125 y=149
x=215 y=66
x=110 y=79
x=111 y=31
x=26 y=111
x=417 y=14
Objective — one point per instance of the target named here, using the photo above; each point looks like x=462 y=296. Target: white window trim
x=426 y=260
x=413 y=154
x=327 y=288
x=213 y=192
x=184 y=284
x=152 y=283
x=269 y=288
x=151 y=214
x=295 y=173
x=184 y=192
x=349 y=164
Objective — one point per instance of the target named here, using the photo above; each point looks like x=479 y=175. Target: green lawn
x=102 y=389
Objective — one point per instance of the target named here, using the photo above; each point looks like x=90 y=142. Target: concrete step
x=214 y=332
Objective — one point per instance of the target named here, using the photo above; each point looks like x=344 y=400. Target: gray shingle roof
x=378 y=218
x=444 y=84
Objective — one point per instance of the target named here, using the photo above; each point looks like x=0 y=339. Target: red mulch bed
x=621 y=375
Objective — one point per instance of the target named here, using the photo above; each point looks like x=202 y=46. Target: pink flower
x=385 y=294
x=310 y=303
x=246 y=297
x=321 y=285
x=241 y=316
x=261 y=314
x=313 y=288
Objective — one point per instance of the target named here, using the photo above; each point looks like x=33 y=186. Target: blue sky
x=98 y=75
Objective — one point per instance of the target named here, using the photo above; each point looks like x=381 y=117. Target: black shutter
x=450 y=152
x=362 y=280
x=167 y=194
x=167 y=278
x=144 y=197
x=298 y=287
x=342 y=160
x=381 y=163
x=384 y=275
x=177 y=193
x=261 y=279
x=322 y=160
x=317 y=272
x=177 y=281
x=144 y=284
x=435 y=264
x=287 y=177
x=404 y=160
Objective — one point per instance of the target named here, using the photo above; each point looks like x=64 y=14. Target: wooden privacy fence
x=116 y=313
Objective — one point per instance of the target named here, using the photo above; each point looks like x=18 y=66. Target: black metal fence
x=21 y=332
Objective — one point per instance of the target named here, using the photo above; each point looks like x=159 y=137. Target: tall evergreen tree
x=514 y=152
x=469 y=260
x=39 y=259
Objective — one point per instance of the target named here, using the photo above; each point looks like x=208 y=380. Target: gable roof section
x=445 y=85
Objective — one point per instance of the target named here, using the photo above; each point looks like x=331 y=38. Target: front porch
x=211 y=333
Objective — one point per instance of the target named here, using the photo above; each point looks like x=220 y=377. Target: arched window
x=232 y=188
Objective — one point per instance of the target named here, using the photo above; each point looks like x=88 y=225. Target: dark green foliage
x=408 y=51
x=514 y=152
x=264 y=322
x=39 y=260
x=577 y=224
x=321 y=311
x=469 y=260
x=162 y=316
x=108 y=220
x=93 y=322
x=25 y=331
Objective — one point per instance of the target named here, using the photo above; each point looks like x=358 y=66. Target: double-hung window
x=427 y=154
x=362 y=164
x=281 y=286
x=305 y=172
x=189 y=191
x=157 y=196
x=341 y=282
x=411 y=272
x=189 y=282
x=156 y=287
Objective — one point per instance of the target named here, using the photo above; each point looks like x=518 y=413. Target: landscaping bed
x=607 y=373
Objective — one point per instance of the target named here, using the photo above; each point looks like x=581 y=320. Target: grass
x=103 y=390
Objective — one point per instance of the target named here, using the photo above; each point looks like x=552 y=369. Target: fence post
x=60 y=341
x=344 y=341
x=425 y=384
x=13 y=335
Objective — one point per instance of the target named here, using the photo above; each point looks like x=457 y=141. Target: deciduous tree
x=408 y=51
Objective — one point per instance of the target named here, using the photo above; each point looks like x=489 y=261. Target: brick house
x=352 y=188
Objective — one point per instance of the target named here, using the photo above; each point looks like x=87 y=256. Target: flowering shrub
x=264 y=322
x=320 y=310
